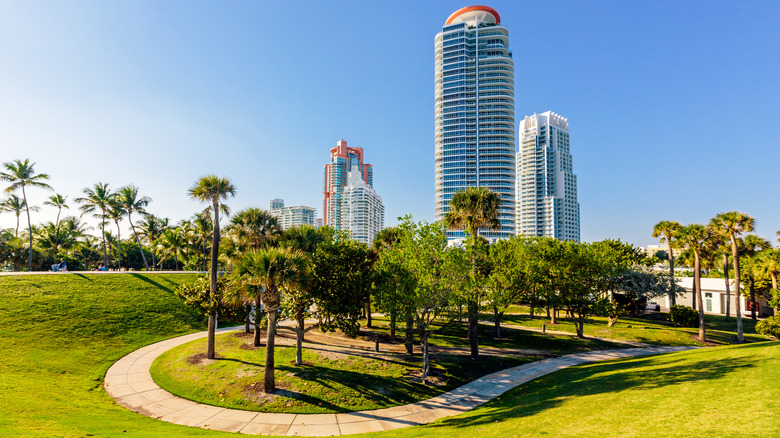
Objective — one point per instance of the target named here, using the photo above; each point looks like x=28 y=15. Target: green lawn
x=327 y=381
x=712 y=392
x=651 y=328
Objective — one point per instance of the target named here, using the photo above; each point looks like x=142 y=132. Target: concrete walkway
x=130 y=383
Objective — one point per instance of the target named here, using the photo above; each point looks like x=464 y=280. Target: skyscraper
x=474 y=113
x=546 y=184
x=292 y=216
x=350 y=201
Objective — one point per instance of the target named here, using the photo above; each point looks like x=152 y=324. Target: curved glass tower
x=474 y=112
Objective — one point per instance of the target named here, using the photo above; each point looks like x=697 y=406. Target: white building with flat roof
x=292 y=216
x=362 y=211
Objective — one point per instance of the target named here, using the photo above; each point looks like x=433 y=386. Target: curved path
x=130 y=383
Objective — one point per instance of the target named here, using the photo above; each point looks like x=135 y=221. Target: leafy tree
x=60 y=202
x=667 y=230
x=472 y=209
x=769 y=263
x=253 y=228
x=641 y=282
x=198 y=296
x=97 y=199
x=382 y=288
x=699 y=240
x=275 y=271
x=22 y=174
x=128 y=199
x=508 y=278
x=749 y=248
x=214 y=190
x=170 y=244
x=151 y=227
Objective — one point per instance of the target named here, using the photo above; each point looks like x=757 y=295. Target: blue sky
x=673 y=106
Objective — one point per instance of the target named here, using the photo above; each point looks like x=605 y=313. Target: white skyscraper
x=292 y=216
x=546 y=184
x=362 y=211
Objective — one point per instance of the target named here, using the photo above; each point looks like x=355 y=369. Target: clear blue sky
x=673 y=106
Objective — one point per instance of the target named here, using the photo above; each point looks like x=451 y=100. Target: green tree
x=508 y=278
x=170 y=245
x=385 y=287
x=698 y=239
x=750 y=247
x=733 y=224
x=22 y=174
x=117 y=213
x=214 y=190
x=769 y=263
x=151 y=227
x=15 y=205
x=666 y=231
x=253 y=228
x=274 y=270
x=97 y=198
x=470 y=210
x=60 y=202
x=128 y=199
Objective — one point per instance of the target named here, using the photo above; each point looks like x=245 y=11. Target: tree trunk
x=138 y=241
x=752 y=286
x=212 y=328
x=258 y=318
x=368 y=312
x=673 y=298
x=697 y=282
x=247 y=317
x=426 y=359
x=473 y=316
x=553 y=316
x=299 y=327
x=409 y=332
x=213 y=289
x=105 y=250
x=29 y=228
x=268 y=381
x=693 y=299
x=119 y=246
x=392 y=324
x=579 y=324
x=497 y=321
x=737 y=294
x=728 y=290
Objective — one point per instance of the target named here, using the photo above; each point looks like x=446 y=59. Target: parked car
x=652 y=305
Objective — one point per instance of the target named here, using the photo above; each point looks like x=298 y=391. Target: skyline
x=93 y=92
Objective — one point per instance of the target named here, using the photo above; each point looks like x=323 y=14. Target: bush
x=684 y=316
x=769 y=327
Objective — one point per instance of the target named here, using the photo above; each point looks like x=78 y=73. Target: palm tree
x=116 y=213
x=733 y=224
x=769 y=263
x=151 y=228
x=97 y=199
x=213 y=189
x=15 y=205
x=59 y=201
x=666 y=230
x=170 y=244
x=202 y=223
x=750 y=247
x=253 y=228
x=128 y=199
x=275 y=270
x=22 y=174
x=472 y=209
x=698 y=239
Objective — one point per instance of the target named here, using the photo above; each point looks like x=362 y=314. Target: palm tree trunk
x=105 y=251
x=268 y=381
x=673 y=298
x=697 y=282
x=738 y=309
x=119 y=245
x=17 y=227
x=368 y=312
x=138 y=241
x=752 y=286
x=29 y=227
x=299 y=331
x=728 y=290
x=258 y=318
x=214 y=253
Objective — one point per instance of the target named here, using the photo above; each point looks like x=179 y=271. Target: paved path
x=130 y=383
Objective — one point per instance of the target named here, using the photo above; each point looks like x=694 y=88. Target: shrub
x=769 y=327
x=684 y=316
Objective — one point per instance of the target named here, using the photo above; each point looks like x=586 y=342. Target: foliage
x=196 y=296
x=683 y=316
x=769 y=327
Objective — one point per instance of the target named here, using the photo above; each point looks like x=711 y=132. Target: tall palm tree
x=472 y=209
x=97 y=198
x=59 y=201
x=15 y=205
x=128 y=199
x=254 y=228
x=22 y=174
x=203 y=226
x=666 y=230
x=698 y=239
x=275 y=270
x=117 y=213
x=750 y=247
x=151 y=228
x=215 y=190
x=733 y=224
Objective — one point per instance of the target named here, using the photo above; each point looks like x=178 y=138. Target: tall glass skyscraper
x=546 y=184
x=474 y=112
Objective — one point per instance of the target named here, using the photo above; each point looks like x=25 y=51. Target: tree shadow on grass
x=551 y=391
x=150 y=281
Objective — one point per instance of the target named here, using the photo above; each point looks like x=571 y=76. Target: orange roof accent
x=487 y=9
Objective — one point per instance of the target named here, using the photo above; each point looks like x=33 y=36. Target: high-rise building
x=546 y=184
x=350 y=201
x=474 y=113
x=292 y=216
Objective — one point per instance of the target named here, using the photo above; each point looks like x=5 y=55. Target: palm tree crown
x=97 y=198
x=472 y=209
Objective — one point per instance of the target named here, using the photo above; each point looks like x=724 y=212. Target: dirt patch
x=254 y=393
x=434 y=378
x=332 y=355
x=201 y=359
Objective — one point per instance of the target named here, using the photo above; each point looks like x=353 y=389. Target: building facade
x=292 y=216
x=546 y=184
x=474 y=113
x=350 y=201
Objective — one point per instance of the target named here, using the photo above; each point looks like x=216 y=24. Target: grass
x=712 y=392
x=454 y=335
x=327 y=382
x=651 y=328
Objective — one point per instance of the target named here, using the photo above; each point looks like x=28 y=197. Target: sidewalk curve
x=130 y=383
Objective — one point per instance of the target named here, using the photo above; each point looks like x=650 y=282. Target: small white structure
x=714 y=297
